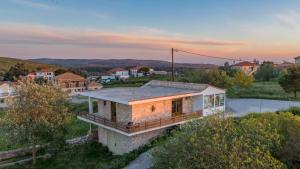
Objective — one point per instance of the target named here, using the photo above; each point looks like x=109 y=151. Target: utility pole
x=173 y=65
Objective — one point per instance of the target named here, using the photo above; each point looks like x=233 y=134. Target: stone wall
x=123 y=111
x=151 y=111
x=187 y=105
x=120 y=144
x=124 y=114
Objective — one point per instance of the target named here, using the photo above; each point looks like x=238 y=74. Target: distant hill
x=122 y=63
x=6 y=63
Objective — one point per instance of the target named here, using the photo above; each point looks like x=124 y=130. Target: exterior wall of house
x=123 y=111
x=197 y=103
x=120 y=144
x=151 y=111
x=46 y=75
x=297 y=61
x=210 y=91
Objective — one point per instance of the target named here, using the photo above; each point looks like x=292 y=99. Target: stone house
x=248 y=67
x=128 y=118
x=71 y=82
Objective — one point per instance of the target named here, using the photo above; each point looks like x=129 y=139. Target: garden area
x=262 y=90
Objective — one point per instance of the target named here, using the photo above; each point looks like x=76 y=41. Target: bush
x=294 y=109
x=256 y=141
x=219 y=143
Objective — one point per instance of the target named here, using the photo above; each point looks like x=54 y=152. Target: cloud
x=290 y=18
x=33 y=4
x=23 y=34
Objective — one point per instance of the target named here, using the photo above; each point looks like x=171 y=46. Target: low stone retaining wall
x=6 y=155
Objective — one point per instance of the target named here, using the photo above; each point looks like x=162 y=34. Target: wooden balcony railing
x=132 y=127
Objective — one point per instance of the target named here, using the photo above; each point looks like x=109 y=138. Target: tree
x=40 y=80
x=38 y=114
x=266 y=72
x=220 y=143
x=15 y=72
x=144 y=70
x=290 y=81
x=243 y=80
x=60 y=71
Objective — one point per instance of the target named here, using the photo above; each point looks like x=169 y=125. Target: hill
x=122 y=63
x=6 y=63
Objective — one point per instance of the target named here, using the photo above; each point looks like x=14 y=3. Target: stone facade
x=123 y=111
x=151 y=111
x=121 y=144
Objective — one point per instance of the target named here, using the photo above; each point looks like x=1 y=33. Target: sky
x=148 y=29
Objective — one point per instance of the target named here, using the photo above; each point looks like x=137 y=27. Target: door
x=177 y=107
x=113 y=109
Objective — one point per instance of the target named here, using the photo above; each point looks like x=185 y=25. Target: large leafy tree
x=38 y=114
x=290 y=81
x=266 y=72
x=15 y=72
x=220 y=143
x=243 y=80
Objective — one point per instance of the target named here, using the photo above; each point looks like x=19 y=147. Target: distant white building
x=119 y=73
x=107 y=78
x=159 y=72
x=45 y=74
x=134 y=72
x=6 y=91
x=297 y=60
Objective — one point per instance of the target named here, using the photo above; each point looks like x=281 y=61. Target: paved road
x=239 y=107
x=242 y=107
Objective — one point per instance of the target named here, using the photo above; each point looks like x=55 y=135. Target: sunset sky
x=148 y=29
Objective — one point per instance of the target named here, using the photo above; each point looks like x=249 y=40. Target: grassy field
x=264 y=90
x=6 y=63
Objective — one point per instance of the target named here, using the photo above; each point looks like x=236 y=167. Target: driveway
x=242 y=107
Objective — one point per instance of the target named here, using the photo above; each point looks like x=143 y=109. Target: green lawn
x=264 y=90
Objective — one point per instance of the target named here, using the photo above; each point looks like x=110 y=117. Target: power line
x=210 y=56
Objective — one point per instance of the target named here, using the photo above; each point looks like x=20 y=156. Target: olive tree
x=36 y=115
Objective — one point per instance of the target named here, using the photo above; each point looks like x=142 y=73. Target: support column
x=90 y=105
x=90 y=111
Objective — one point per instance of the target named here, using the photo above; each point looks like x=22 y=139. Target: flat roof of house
x=127 y=95
x=152 y=91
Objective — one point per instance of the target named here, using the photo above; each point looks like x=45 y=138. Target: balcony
x=132 y=127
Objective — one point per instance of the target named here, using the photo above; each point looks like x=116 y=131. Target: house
x=5 y=91
x=107 y=78
x=94 y=86
x=284 y=65
x=119 y=73
x=71 y=82
x=31 y=76
x=134 y=72
x=128 y=118
x=297 y=60
x=248 y=67
x=45 y=74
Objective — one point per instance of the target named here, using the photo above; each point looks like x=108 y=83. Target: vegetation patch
x=268 y=140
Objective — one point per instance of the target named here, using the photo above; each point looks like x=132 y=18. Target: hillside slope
x=6 y=63
x=112 y=63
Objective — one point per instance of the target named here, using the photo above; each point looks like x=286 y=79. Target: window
x=220 y=100
x=104 y=103
x=208 y=101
